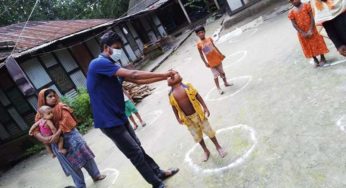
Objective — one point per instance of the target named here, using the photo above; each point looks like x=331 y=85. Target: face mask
x=116 y=55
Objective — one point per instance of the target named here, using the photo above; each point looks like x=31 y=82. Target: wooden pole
x=183 y=8
x=217 y=4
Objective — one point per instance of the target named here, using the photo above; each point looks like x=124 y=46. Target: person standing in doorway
x=312 y=42
x=104 y=85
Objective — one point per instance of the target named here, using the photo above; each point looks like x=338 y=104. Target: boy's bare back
x=183 y=100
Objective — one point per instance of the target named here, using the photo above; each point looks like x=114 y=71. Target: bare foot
x=143 y=124
x=222 y=153
x=63 y=151
x=228 y=84
x=206 y=156
x=52 y=155
x=220 y=91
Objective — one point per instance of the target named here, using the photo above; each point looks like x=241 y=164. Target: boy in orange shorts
x=212 y=57
x=190 y=109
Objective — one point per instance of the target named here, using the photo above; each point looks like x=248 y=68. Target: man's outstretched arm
x=133 y=75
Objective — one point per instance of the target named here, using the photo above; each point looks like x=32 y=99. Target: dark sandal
x=99 y=178
x=171 y=171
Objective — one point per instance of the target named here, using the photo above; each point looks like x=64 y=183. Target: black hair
x=47 y=92
x=109 y=38
x=199 y=28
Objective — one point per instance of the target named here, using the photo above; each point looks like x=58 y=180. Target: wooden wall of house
x=82 y=56
x=16 y=117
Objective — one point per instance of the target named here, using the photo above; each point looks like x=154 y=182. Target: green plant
x=34 y=149
x=81 y=109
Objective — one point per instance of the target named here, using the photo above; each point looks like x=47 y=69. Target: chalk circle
x=234 y=58
x=239 y=84
x=240 y=156
x=237 y=32
x=151 y=117
x=341 y=123
x=245 y=34
x=328 y=64
x=112 y=174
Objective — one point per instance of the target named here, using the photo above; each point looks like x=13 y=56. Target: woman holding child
x=78 y=153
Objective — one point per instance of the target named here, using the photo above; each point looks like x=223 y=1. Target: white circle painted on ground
x=228 y=61
x=228 y=36
x=112 y=174
x=341 y=123
x=328 y=64
x=247 y=34
x=240 y=160
x=228 y=94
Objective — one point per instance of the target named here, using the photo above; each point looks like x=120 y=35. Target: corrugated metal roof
x=38 y=33
x=140 y=6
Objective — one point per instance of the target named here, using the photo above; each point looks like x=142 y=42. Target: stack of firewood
x=137 y=92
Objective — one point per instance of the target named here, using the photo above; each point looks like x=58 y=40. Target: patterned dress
x=314 y=45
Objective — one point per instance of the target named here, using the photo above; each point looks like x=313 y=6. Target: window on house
x=61 y=79
x=57 y=72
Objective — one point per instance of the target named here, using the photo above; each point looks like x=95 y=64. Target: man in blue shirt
x=104 y=84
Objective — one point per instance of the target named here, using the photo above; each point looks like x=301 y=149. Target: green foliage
x=34 y=149
x=16 y=11
x=81 y=109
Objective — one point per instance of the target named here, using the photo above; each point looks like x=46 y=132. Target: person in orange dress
x=311 y=41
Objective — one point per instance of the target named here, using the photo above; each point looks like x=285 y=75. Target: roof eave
x=34 y=49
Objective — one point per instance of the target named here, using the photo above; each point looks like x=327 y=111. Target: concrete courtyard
x=282 y=123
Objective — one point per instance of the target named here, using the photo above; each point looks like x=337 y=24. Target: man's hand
x=206 y=112
x=342 y=50
x=170 y=73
